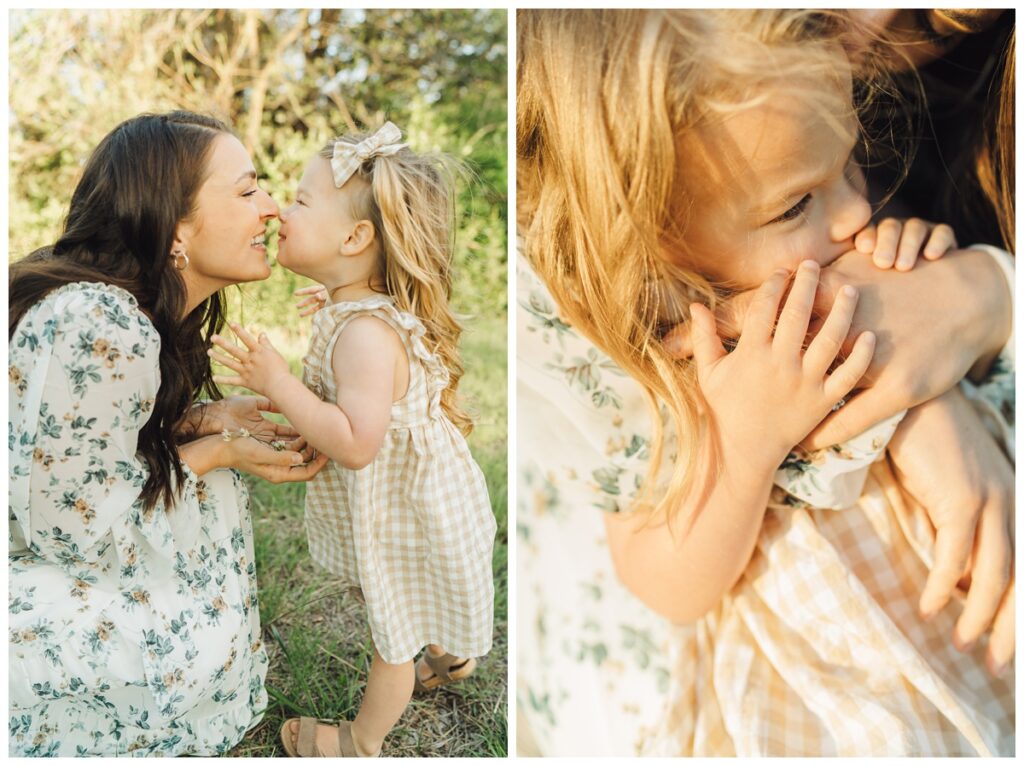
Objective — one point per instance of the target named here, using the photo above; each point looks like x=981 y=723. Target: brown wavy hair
x=141 y=181
x=409 y=197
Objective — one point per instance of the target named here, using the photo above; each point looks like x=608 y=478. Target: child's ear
x=359 y=238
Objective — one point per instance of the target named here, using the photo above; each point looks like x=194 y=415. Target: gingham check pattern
x=819 y=649
x=414 y=529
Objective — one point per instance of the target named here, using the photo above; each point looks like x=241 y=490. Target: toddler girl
x=697 y=153
x=401 y=511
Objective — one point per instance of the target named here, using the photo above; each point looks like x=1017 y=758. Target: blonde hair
x=604 y=97
x=410 y=200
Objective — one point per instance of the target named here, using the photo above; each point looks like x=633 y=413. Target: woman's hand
x=317 y=299
x=258 y=367
x=296 y=462
x=235 y=412
x=952 y=466
x=933 y=325
x=769 y=393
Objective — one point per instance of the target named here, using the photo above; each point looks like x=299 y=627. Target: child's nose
x=852 y=215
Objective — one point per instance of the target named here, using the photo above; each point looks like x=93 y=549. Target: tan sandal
x=446 y=669
x=305 y=746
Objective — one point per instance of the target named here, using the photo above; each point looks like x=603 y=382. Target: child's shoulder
x=365 y=336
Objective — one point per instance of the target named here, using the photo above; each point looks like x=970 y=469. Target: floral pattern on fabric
x=132 y=631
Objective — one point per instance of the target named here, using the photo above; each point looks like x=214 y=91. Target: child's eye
x=794 y=211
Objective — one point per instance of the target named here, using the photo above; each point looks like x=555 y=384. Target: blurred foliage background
x=288 y=81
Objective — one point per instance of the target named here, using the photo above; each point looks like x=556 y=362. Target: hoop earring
x=180 y=254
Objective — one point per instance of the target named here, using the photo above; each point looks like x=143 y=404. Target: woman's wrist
x=994 y=293
x=204 y=454
x=199 y=422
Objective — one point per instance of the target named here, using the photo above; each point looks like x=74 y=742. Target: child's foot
x=301 y=740
x=433 y=670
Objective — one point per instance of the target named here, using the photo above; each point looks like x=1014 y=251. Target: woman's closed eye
x=794 y=211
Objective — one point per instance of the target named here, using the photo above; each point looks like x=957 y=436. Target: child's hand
x=259 y=367
x=896 y=242
x=769 y=393
x=317 y=299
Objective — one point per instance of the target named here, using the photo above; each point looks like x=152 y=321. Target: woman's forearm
x=993 y=301
x=683 y=574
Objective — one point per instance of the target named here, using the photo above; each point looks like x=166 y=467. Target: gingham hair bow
x=348 y=157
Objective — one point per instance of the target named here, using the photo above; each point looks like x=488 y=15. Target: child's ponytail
x=410 y=200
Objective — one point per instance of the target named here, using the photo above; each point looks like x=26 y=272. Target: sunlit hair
x=409 y=198
x=605 y=101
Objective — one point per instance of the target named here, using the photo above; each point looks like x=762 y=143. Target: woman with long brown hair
x=134 y=620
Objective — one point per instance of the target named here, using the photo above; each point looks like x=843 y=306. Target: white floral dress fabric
x=414 y=529
x=817 y=650
x=131 y=631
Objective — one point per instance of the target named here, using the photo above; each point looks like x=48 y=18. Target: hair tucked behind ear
x=603 y=99
x=409 y=198
x=140 y=182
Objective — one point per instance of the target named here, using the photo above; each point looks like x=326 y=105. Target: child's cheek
x=800 y=245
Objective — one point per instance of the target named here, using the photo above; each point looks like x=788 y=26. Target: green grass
x=316 y=634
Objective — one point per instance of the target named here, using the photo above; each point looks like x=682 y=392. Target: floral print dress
x=133 y=631
x=817 y=650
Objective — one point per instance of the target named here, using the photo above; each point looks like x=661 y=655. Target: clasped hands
x=943 y=455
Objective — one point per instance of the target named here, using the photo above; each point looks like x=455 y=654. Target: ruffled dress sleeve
x=84 y=374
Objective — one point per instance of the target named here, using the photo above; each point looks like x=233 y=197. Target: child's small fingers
x=227 y=361
x=796 y=312
x=228 y=380
x=848 y=374
x=864 y=241
x=707 y=346
x=915 y=232
x=308 y=290
x=887 y=238
x=941 y=241
x=764 y=307
x=245 y=336
x=230 y=347
x=829 y=339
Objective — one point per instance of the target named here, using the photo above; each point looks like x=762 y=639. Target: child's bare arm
x=762 y=399
x=350 y=431
x=898 y=243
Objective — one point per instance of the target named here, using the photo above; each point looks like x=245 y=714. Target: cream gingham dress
x=817 y=650
x=414 y=529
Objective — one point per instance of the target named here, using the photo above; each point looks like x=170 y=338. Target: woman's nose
x=269 y=208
